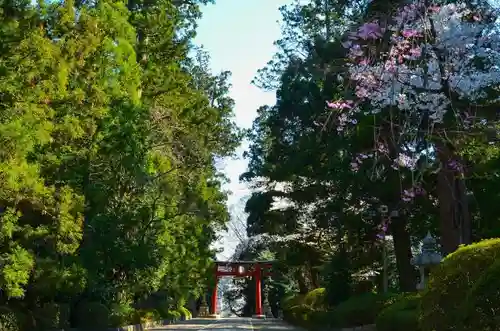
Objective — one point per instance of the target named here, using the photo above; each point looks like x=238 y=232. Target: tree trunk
x=303 y=288
x=402 y=250
x=314 y=276
x=455 y=219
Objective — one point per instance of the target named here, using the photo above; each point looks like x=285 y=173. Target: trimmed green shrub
x=360 y=310
x=90 y=315
x=315 y=299
x=308 y=310
x=299 y=315
x=482 y=305
x=292 y=301
x=185 y=313
x=401 y=315
x=443 y=305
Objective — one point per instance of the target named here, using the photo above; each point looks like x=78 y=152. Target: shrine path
x=228 y=324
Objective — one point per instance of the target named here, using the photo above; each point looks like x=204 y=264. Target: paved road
x=228 y=324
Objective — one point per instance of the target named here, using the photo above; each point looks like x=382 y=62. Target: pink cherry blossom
x=411 y=33
x=370 y=31
x=409 y=76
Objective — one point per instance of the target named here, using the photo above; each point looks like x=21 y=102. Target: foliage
x=356 y=311
x=185 y=313
x=99 y=312
x=383 y=128
x=299 y=315
x=401 y=315
x=292 y=301
x=110 y=131
x=361 y=310
x=173 y=315
x=123 y=314
x=444 y=301
x=10 y=320
x=338 y=278
x=482 y=308
x=148 y=316
x=316 y=298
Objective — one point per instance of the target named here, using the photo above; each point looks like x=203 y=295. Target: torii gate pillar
x=258 y=292
x=213 y=306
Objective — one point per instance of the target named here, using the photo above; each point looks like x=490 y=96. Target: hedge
x=315 y=299
x=292 y=301
x=309 y=311
x=482 y=310
x=299 y=315
x=401 y=315
x=361 y=309
x=444 y=302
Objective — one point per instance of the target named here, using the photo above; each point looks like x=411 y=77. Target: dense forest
x=385 y=128
x=111 y=126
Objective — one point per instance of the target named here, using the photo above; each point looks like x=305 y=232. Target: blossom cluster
x=433 y=52
x=432 y=49
x=409 y=194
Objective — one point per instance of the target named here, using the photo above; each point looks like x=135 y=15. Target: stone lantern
x=204 y=310
x=428 y=257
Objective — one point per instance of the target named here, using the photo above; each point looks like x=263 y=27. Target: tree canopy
x=384 y=128
x=111 y=124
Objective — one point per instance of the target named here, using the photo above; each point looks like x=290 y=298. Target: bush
x=299 y=315
x=292 y=301
x=362 y=287
x=123 y=314
x=90 y=315
x=482 y=310
x=337 y=278
x=360 y=310
x=173 y=315
x=148 y=316
x=11 y=320
x=308 y=310
x=320 y=319
x=185 y=313
x=401 y=315
x=443 y=305
x=315 y=299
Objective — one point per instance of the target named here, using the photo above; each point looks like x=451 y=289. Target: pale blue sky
x=239 y=36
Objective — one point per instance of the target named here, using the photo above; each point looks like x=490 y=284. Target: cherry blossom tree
x=428 y=79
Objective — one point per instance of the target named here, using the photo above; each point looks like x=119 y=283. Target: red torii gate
x=255 y=269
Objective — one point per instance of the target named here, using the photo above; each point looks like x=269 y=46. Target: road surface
x=228 y=324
